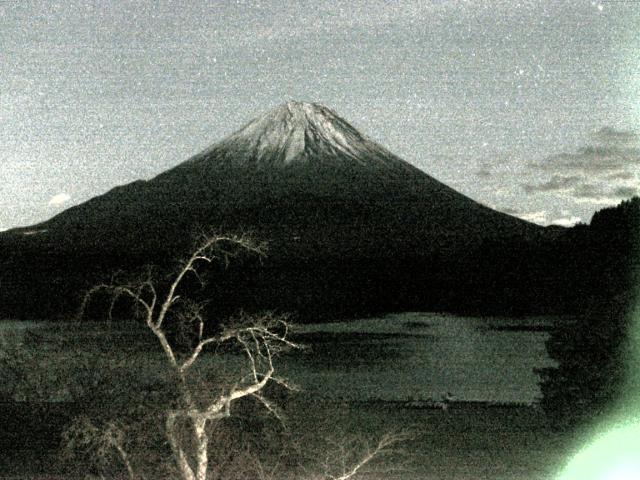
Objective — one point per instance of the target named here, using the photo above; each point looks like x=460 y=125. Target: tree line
x=593 y=349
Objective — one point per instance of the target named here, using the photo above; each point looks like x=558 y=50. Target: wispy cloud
x=620 y=137
x=593 y=159
x=589 y=190
x=59 y=199
x=507 y=210
x=625 y=192
x=539 y=216
x=544 y=217
x=483 y=172
x=622 y=176
x=568 y=221
x=601 y=172
x=556 y=183
x=603 y=194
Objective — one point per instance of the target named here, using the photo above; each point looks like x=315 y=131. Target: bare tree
x=348 y=459
x=190 y=417
x=162 y=308
x=103 y=441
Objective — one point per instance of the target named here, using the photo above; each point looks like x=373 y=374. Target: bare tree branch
x=211 y=248
x=383 y=446
x=178 y=453
x=196 y=352
x=100 y=440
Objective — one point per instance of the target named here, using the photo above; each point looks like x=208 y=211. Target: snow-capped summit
x=295 y=129
x=298 y=133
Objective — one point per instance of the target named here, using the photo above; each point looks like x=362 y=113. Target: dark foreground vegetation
x=116 y=374
x=167 y=393
x=465 y=442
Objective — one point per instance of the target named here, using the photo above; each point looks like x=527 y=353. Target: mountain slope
x=299 y=170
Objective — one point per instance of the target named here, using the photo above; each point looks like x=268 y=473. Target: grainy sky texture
x=531 y=107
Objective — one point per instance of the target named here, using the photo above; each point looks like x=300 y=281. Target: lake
x=423 y=355
x=397 y=357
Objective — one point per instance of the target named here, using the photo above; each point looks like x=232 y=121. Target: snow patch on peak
x=295 y=130
x=300 y=133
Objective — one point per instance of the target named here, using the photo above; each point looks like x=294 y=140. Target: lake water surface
x=421 y=356
x=403 y=356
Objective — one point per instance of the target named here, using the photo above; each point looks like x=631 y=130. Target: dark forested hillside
x=592 y=350
x=559 y=271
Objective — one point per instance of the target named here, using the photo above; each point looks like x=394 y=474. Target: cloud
x=535 y=217
x=59 y=199
x=622 y=176
x=484 y=172
x=609 y=162
x=508 y=210
x=603 y=194
x=610 y=151
x=556 y=183
x=625 y=192
x=568 y=221
x=589 y=190
x=488 y=168
x=610 y=135
x=594 y=159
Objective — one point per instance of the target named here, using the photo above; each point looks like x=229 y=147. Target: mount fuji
x=342 y=214
x=298 y=171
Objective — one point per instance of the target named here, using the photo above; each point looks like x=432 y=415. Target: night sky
x=530 y=107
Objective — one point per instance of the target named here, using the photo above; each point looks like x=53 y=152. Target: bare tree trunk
x=178 y=453
x=125 y=460
x=199 y=425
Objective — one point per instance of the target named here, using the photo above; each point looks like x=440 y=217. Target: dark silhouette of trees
x=591 y=349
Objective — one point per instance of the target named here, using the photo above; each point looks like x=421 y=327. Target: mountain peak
x=295 y=131
x=297 y=106
x=298 y=167
x=299 y=133
x=297 y=112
